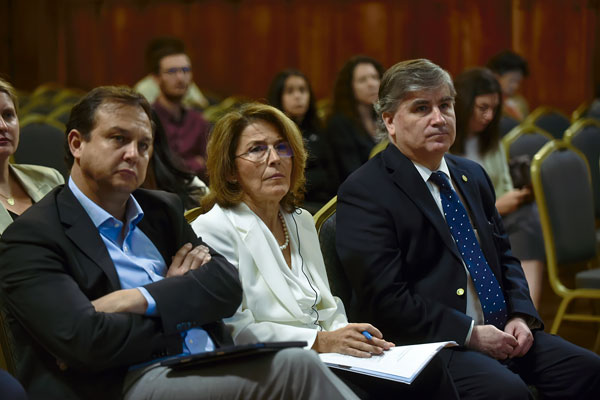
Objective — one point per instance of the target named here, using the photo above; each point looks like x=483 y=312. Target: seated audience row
x=136 y=307
x=101 y=280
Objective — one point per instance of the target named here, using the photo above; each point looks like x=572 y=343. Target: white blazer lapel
x=259 y=252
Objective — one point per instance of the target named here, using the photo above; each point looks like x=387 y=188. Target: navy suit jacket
x=401 y=259
x=53 y=263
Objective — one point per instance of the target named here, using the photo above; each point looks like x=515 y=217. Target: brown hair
x=160 y=48
x=7 y=88
x=344 y=101
x=470 y=84
x=222 y=145
x=83 y=114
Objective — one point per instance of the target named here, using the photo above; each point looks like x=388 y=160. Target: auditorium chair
x=338 y=281
x=583 y=111
x=379 y=147
x=42 y=142
x=550 y=120
x=584 y=135
x=61 y=113
x=562 y=186
x=8 y=360
x=507 y=124
x=192 y=214
x=214 y=112
x=525 y=139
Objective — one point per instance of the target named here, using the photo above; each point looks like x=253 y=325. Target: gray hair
x=404 y=78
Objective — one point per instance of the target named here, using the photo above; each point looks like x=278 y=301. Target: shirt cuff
x=151 y=309
x=468 y=339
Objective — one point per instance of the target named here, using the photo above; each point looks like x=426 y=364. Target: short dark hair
x=162 y=47
x=83 y=114
x=507 y=61
x=470 y=84
x=310 y=122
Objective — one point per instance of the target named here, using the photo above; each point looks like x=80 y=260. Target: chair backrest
x=338 y=281
x=580 y=112
x=8 y=359
x=378 y=148
x=525 y=139
x=61 y=113
x=562 y=186
x=585 y=136
x=192 y=214
x=507 y=124
x=549 y=119
x=42 y=142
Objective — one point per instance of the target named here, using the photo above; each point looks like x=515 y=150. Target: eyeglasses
x=260 y=152
x=175 y=70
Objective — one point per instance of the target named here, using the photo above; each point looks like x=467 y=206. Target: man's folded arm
x=201 y=296
x=41 y=295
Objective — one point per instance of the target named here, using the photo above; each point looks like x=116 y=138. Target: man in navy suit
x=101 y=280
x=399 y=232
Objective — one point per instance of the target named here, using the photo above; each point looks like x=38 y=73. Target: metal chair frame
x=520 y=130
x=567 y=294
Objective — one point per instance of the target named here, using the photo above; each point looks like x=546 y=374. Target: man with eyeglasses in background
x=185 y=128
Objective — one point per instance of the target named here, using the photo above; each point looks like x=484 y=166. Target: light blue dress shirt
x=137 y=261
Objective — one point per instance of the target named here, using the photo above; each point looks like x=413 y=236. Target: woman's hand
x=350 y=340
x=512 y=200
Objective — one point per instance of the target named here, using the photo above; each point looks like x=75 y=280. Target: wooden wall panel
x=237 y=46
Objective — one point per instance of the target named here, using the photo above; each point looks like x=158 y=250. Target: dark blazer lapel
x=408 y=179
x=156 y=235
x=80 y=229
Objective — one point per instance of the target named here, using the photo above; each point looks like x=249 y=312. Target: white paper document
x=400 y=363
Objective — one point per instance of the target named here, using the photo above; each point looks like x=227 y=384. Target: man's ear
x=388 y=120
x=75 y=140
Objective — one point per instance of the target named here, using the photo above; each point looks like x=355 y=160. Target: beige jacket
x=37 y=182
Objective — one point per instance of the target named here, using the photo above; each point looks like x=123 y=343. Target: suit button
x=460 y=291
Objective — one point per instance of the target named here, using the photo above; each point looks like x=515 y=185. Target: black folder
x=227 y=353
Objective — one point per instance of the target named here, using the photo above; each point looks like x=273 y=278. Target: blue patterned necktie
x=484 y=280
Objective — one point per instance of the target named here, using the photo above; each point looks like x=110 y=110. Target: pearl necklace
x=285 y=233
x=10 y=200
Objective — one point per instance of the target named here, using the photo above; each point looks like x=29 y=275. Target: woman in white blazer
x=20 y=185
x=256 y=170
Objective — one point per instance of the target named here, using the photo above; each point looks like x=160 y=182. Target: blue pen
x=367 y=335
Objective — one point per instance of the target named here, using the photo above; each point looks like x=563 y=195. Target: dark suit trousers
x=557 y=368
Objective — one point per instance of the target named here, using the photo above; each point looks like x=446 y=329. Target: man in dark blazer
x=100 y=280
x=402 y=259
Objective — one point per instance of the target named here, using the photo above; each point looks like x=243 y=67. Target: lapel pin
x=464 y=178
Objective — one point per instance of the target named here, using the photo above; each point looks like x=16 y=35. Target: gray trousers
x=288 y=374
